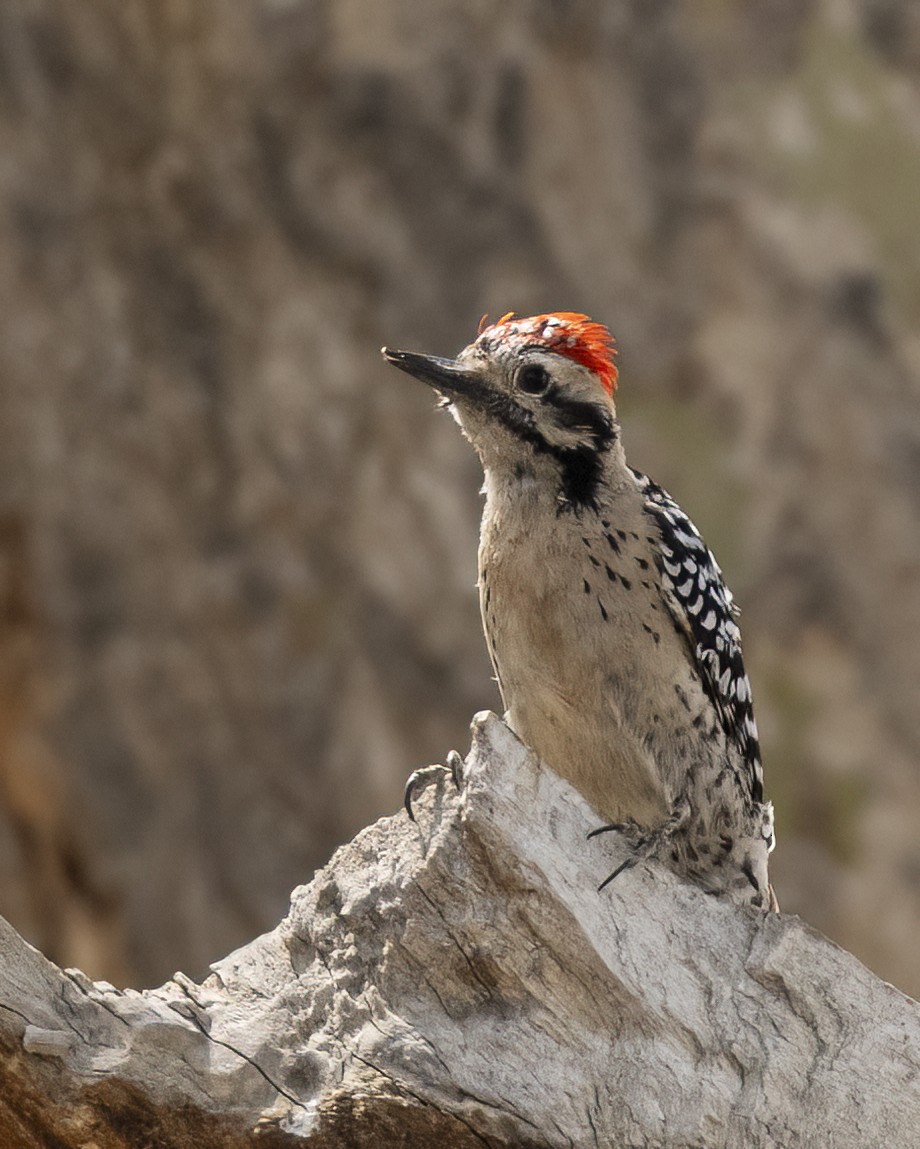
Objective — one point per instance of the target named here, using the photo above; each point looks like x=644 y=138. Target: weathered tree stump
x=461 y=982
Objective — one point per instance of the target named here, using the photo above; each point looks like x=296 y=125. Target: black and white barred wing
x=703 y=608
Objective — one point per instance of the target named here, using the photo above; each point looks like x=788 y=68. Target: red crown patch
x=565 y=333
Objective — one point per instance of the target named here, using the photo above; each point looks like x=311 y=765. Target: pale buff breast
x=583 y=680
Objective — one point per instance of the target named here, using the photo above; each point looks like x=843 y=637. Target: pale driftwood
x=461 y=982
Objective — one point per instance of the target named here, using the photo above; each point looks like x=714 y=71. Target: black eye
x=533 y=379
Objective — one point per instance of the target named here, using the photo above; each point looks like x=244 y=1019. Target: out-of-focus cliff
x=237 y=554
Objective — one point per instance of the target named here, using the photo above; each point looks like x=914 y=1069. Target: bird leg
x=422 y=778
x=646 y=843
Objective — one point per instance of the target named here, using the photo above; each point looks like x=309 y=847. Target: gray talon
x=629 y=828
x=646 y=844
x=426 y=775
x=455 y=766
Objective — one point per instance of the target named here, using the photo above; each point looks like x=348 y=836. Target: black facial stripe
x=581 y=470
x=580 y=467
x=515 y=417
x=580 y=415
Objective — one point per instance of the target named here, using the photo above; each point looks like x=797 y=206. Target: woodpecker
x=611 y=631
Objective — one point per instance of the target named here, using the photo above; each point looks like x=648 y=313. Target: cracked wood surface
x=462 y=982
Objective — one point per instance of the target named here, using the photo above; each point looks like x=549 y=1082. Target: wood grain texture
x=461 y=982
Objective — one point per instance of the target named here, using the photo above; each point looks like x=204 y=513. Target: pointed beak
x=444 y=375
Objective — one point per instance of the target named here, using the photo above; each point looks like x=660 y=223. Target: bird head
x=532 y=394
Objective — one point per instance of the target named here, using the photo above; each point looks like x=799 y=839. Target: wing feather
x=703 y=609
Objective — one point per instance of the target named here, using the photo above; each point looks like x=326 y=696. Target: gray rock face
x=236 y=558
x=461 y=982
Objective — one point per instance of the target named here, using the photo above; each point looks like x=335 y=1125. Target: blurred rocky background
x=237 y=553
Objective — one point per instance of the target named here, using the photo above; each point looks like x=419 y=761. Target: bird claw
x=422 y=778
x=645 y=844
x=629 y=828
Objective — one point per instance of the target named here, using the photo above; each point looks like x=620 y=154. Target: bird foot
x=644 y=843
x=424 y=777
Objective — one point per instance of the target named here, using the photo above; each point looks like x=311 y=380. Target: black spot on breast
x=682 y=696
x=587 y=587
x=642 y=564
x=614 y=545
x=621 y=534
x=596 y=562
x=627 y=585
x=604 y=614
